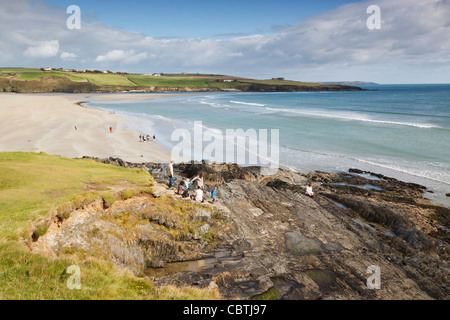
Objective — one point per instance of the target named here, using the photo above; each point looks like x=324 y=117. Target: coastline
x=309 y=161
x=58 y=124
x=46 y=123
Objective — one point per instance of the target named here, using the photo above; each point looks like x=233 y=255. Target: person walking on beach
x=154 y=138
x=309 y=190
x=140 y=138
x=148 y=138
x=110 y=129
x=171 y=176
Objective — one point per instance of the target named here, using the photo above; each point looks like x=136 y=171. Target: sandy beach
x=57 y=125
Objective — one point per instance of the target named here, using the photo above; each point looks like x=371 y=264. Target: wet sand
x=58 y=124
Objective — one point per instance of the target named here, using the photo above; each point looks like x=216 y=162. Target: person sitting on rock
x=198 y=195
x=181 y=189
x=309 y=190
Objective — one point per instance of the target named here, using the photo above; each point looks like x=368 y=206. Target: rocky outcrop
x=286 y=245
x=139 y=233
x=265 y=239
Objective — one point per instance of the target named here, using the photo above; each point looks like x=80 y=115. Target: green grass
x=120 y=82
x=30 y=186
x=283 y=83
x=19 y=70
x=35 y=75
x=103 y=79
x=150 y=81
x=96 y=78
x=269 y=295
x=28 y=276
x=180 y=81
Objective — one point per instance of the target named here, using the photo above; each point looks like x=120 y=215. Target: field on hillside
x=59 y=80
x=35 y=75
x=105 y=79
x=150 y=81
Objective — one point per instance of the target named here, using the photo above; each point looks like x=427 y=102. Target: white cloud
x=127 y=57
x=335 y=45
x=68 y=56
x=45 y=49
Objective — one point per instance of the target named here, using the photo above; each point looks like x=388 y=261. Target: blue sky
x=299 y=40
x=200 y=18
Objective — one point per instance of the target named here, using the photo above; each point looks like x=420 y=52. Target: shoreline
x=435 y=188
x=58 y=124
x=46 y=122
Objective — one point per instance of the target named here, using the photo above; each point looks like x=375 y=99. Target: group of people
x=183 y=186
x=198 y=195
x=143 y=138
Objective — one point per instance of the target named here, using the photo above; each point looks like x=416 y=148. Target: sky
x=200 y=18
x=327 y=40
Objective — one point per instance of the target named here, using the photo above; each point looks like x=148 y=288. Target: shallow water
x=401 y=131
x=364 y=186
x=340 y=205
x=191 y=266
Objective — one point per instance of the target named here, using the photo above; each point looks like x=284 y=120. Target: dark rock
x=285 y=245
x=299 y=244
x=278 y=184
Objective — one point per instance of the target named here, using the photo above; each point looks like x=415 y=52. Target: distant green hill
x=31 y=80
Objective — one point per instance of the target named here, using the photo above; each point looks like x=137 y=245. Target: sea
x=400 y=131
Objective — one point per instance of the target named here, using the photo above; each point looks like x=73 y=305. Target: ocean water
x=401 y=131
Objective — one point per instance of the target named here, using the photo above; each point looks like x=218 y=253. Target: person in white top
x=309 y=190
x=198 y=195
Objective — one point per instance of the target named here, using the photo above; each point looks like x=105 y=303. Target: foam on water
x=399 y=131
x=248 y=103
x=352 y=117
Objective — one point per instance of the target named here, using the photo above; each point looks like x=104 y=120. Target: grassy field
x=30 y=186
x=109 y=79
x=35 y=75
x=12 y=80
x=150 y=81
x=283 y=83
x=102 y=79
x=19 y=70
